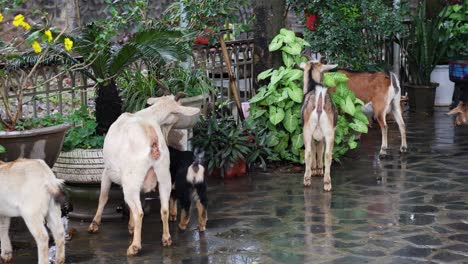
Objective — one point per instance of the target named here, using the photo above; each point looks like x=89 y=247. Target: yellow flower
x=1 y=17
x=25 y=25
x=68 y=43
x=36 y=46
x=19 y=19
x=48 y=34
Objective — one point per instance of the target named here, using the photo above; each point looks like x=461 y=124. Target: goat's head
x=313 y=73
x=198 y=156
x=462 y=114
x=172 y=113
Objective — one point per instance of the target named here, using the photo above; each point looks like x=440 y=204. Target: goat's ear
x=151 y=100
x=327 y=67
x=303 y=65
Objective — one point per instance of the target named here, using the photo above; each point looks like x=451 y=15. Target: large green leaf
x=359 y=126
x=295 y=94
x=290 y=121
x=287 y=59
x=276 y=43
x=298 y=141
x=348 y=106
x=276 y=115
x=265 y=74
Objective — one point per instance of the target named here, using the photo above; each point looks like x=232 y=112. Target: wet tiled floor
x=403 y=209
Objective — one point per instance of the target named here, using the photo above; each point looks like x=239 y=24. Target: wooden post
x=232 y=80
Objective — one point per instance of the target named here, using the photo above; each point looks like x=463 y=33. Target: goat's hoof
x=167 y=241
x=133 y=250
x=382 y=154
x=7 y=256
x=182 y=227
x=202 y=228
x=403 y=149
x=93 y=227
x=307 y=181
x=327 y=187
x=61 y=261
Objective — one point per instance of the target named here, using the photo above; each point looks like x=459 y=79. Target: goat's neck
x=152 y=115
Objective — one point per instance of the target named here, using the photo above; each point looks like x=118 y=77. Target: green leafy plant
x=424 y=46
x=2 y=149
x=136 y=88
x=222 y=140
x=351 y=120
x=351 y=33
x=191 y=81
x=46 y=121
x=83 y=133
x=455 y=23
x=277 y=105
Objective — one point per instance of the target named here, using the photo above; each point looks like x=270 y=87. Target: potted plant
x=226 y=146
x=424 y=46
x=31 y=47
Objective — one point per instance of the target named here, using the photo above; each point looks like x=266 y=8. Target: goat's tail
x=396 y=85
x=53 y=185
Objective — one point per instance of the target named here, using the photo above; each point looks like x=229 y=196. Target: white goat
x=136 y=156
x=28 y=188
x=319 y=118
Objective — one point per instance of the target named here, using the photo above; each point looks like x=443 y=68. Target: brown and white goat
x=319 y=119
x=29 y=188
x=136 y=156
x=382 y=94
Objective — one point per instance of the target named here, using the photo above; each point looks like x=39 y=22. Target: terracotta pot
x=237 y=169
x=39 y=143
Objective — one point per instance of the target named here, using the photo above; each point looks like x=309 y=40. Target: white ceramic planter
x=444 y=91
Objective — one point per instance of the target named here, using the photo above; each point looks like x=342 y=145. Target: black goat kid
x=188 y=184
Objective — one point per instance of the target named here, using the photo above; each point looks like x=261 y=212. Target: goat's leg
x=55 y=224
x=185 y=204
x=131 y=222
x=103 y=197
x=173 y=207
x=320 y=148
x=397 y=115
x=201 y=206
x=308 y=154
x=7 y=251
x=384 y=130
x=165 y=187
x=35 y=224
x=329 y=141
x=132 y=198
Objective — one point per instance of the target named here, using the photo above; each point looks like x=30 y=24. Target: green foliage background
x=347 y=30
x=277 y=105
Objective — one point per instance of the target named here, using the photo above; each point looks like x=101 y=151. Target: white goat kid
x=29 y=188
x=136 y=156
x=319 y=118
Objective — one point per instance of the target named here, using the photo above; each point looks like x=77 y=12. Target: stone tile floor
x=409 y=208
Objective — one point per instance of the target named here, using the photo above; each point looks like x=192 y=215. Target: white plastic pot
x=444 y=91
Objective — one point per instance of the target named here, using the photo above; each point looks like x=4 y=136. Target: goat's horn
x=179 y=95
